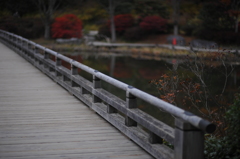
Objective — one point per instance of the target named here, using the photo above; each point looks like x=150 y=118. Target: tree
x=227 y=146
x=67 y=26
x=234 y=11
x=122 y=22
x=214 y=16
x=176 y=4
x=190 y=86
x=153 y=24
x=111 y=6
x=47 y=8
x=21 y=8
x=150 y=7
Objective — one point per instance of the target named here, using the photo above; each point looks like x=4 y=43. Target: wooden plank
x=39 y=119
x=90 y=156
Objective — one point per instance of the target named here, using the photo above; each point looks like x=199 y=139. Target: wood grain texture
x=39 y=119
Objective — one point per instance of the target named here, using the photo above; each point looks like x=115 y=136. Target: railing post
x=34 y=49
x=46 y=57
x=20 y=44
x=131 y=102
x=74 y=71
x=188 y=142
x=96 y=84
x=58 y=62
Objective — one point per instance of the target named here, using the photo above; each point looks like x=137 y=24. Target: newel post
x=96 y=84
x=189 y=141
x=131 y=102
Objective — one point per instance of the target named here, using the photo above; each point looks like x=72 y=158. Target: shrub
x=153 y=24
x=227 y=146
x=134 y=33
x=67 y=26
x=122 y=22
x=223 y=37
x=227 y=37
x=26 y=27
x=104 y=30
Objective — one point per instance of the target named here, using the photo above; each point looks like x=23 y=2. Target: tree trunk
x=47 y=30
x=236 y=25
x=47 y=8
x=111 y=12
x=175 y=16
x=175 y=29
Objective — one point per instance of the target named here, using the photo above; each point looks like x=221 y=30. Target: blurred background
x=149 y=21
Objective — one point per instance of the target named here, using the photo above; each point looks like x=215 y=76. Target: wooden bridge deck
x=39 y=119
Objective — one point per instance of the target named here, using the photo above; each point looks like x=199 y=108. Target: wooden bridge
x=39 y=119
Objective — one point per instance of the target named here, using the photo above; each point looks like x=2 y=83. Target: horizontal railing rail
x=187 y=137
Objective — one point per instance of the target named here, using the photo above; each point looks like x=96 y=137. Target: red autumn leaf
x=153 y=23
x=122 y=22
x=67 y=26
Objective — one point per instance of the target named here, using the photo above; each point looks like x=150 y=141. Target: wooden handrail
x=187 y=136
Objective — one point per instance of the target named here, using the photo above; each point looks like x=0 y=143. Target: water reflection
x=138 y=73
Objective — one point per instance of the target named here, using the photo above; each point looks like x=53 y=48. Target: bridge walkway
x=41 y=120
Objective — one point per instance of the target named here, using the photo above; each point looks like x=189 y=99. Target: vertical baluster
x=153 y=138
x=131 y=102
x=74 y=71
x=34 y=49
x=96 y=84
x=111 y=109
x=58 y=63
x=19 y=42
x=46 y=57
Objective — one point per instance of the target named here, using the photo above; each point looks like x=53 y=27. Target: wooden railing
x=187 y=137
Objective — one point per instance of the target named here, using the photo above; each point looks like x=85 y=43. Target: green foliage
x=150 y=7
x=226 y=147
x=191 y=8
x=215 y=16
x=92 y=13
x=26 y=27
x=124 y=8
x=89 y=27
x=23 y=7
x=4 y=13
x=217 y=148
x=233 y=118
x=221 y=37
x=89 y=12
x=191 y=26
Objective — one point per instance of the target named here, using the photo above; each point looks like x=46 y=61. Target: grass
x=156 y=51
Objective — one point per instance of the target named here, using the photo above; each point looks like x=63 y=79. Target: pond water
x=139 y=72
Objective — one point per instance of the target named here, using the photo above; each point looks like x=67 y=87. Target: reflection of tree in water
x=138 y=73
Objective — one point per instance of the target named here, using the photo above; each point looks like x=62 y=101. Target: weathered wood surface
x=39 y=119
